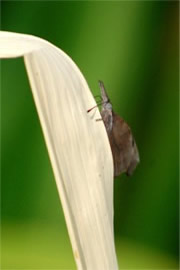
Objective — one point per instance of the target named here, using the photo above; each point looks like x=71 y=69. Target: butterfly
x=123 y=146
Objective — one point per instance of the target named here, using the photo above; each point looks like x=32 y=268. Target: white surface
x=77 y=144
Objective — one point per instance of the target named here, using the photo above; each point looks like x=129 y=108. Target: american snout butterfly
x=123 y=146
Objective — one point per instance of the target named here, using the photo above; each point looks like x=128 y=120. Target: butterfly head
x=106 y=105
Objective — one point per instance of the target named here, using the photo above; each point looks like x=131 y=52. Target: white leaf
x=77 y=144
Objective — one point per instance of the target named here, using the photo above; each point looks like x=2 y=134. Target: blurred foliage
x=133 y=48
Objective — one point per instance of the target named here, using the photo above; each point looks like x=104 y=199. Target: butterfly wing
x=123 y=146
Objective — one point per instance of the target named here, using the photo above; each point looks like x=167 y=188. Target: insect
x=123 y=146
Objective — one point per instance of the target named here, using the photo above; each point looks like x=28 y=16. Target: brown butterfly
x=123 y=146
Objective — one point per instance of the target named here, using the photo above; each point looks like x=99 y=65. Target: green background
x=133 y=48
